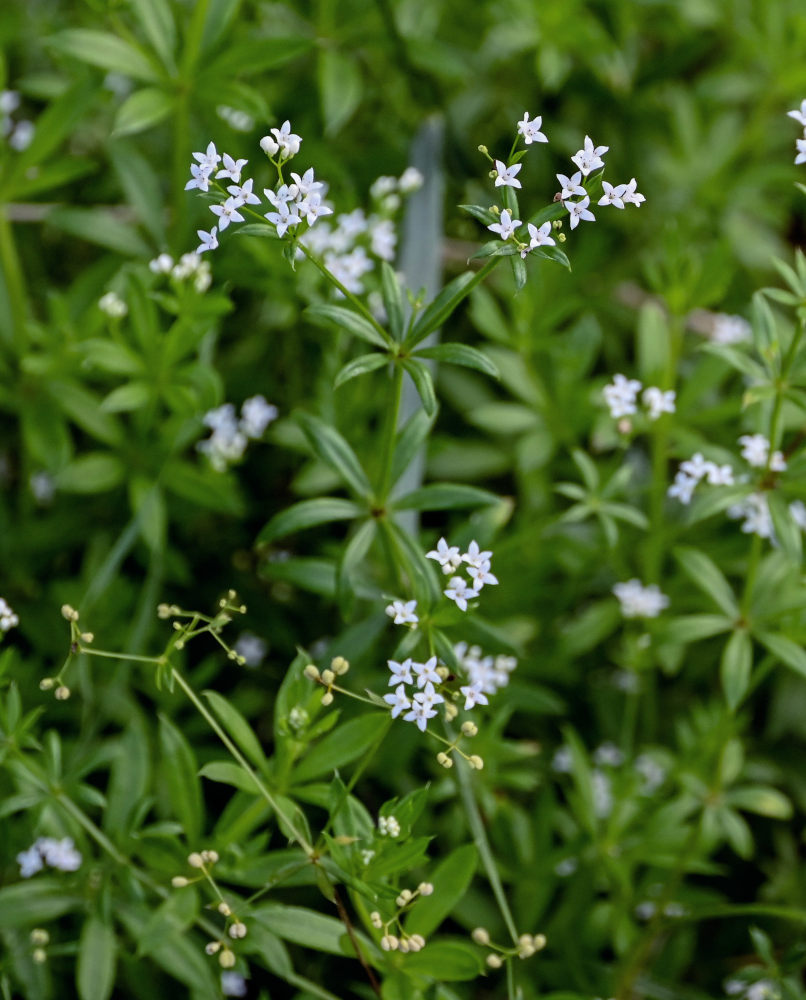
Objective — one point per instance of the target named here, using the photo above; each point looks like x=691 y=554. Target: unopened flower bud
x=69 y=613
x=443 y=672
x=483 y=149
x=416 y=942
x=210 y=857
x=339 y=665
x=179 y=881
x=224 y=910
x=469 y=728
x=163 y=611
x=425 y=888
x=195 y=860
x=375 y=919
x=328 y=677
x=476 y=761
x=46 y=683
x=525 y=941
x=238 y=930
x=561 y=237
x=87 y=636
x=389 y=942
x=327 y=698
x=39 y=955
x=212 y=947
x=526 y=951
x=269 y=146
x=481 y=935
x=62 y=693
x=494 y=961
x=451 y=711
x=443 y=759
x=539 y=942
x=39 y=936
x=404 y=945
x=226 y=959
x=311 y=672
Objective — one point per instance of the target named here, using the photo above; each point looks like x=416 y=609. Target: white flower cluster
x=638 y=601
x=7 y=617
x=230 y=435
x=755 y=450
x=113 y=305
x=189 y=265
x=233 y=984
x=18 y=134
x=754 y=513
x=60 y=854
x=721 y=328
x=799 y=114
x=692 y=471
x=420 y=708
x=388 y=826
x=477 y=563
x=621 y=396
x=487 y=674
x=349 y=245
x=761 y=989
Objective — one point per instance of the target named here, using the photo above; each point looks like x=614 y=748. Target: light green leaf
x=424 y=384
x=735 y=667
x=307 y=514
x=341 y=318
x=95 y=472
x=348 y=742
x=449 y=960
x=106 y=51
x=435 y=314
x=156 y=20
x=142 y=110
x=361 y=365
x=95 y=966
x=460 y=354
x=445 y=496
x=760 y=799
x=704 y=574
x=35 y=902
x=308 y=928
x=450 y=879
x=237 y=728
x=392 y=299
x=229 y=773
x=787 y=651
x=335 y=452
x=180 y=769
x=340 y=88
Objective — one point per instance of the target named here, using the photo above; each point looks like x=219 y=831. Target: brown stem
x=345 y=919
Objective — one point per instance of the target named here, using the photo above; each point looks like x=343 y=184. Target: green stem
x=241 y=760
x=14 y=280
x=389 y=435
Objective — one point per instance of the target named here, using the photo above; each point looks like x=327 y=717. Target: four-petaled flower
x=422 y=708
x=540 y=236
x=579 y=210
x=283 y=218
x=402 y=612
x=475 y=556
x=232 y=168
x=801 y=147
x=506 y=227
x=401 y=672
x=612 y=195
x=209 y=241
x=799 y=114
x=399 y=701
x=506 y=175
x=426 y=672
x=459 y=591
x=446 y=555
x=569 y=186
x=480 y=575
x=243 y=193
x=630 y=195
x=530 y=130
x=228 y=212
x=589 y=157
x=473 y=695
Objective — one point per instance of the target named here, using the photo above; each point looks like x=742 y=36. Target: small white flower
x=621 y=396
x=426 y=672
x=719 y=475
x=563 y=761
x=798 y=114
x=231 y=168
x=10 y=101
x=540 y=236
x=30 y=862
x=252 y=648
x=227 y=212
x=209 y=241
x=22 y=136
x=755 y=512
x=283 y=218
x=401 y=672
x=696 y=467
x=306 y=184
x=608 y=755
x=638 y=601
x=256 y=415
x=602 y=793
x=630 y=195
x=589 y=158
x=797 y=510
x=569 y=186
x=506 y=227
x=459 y=591
x=282 y=195
x=163 y=264
x=422 y=708
x=473 y=695
x=269 y=146
x=410 y=180
x=612 y=195
x=398 y=701
x=657 y=401
x=429 y=696
x=233 y=984
x=287 y=142
x=755 y=449
x=60 y=854
x=208 y=160
x=727 y=329
x=446 y=555
x=578 y=210
x=800 y=145
x=113 y=305
x=530 y=130
x=402 y=612
x=506 y=175
x=475 y=556
x=683 y=488
x=243 y=193
x=481 y=575
x=312 y=208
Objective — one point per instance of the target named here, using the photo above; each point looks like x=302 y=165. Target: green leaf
x=156 y=20
x=229 y=773
x=100 y=226
x=237 y=728
x=308 y=928
x=460 y=354
x=786 y=531
x=449 y=960
x=360 y=366
x=95 y=472
x=419 y=570
x=692 y=628
x=704 y=573
x=483 y=215
x=142 y=110
x=424 y=384
x=435 y=314
x=141 y=186
x=737 y=662
x=784 y=649
x=409 y=440
x=348 y=742
x=307 y=514
x=340 y=318
x=354 y=552
x=106 y=51
x=445 y=496
x=127 y=398
x=180 y=769
x=335 y=452
x=38 y=902
x=760 y=799
x=392 y=299
x=256 y=55
x=95 y=965
x=551 y=253
x=264 y=229
x=519 y=272
x=340 y=88
x=450 y=879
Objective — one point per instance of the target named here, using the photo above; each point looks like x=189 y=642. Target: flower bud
x=212 y=947
x=443 y=672
x=179 y=881
x=481 y=935
x=226 y=959
x=425 y=888
x=416 y=942
x=327 y=698
x=195 y=860
x=39 y=955
x=451 y=711
x=483 y=149
x=494 y=961
x=539 y=942
x=389 y=942
x=238 y=930
x=404 y=945
x=469 y=728
x=224 y=910
x=163 y=611
x=46 y=683
x=339 y=665
x=311 y=672
x=525 y=941
x=62 y=693
x=39 y=936
x=69 y=613
x=210 y=857
x=476 y=761
x=328 y=677
x=269 y=146
x=87 y=636
x=375 y=919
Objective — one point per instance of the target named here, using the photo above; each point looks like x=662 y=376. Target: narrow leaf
x=445 y=496
x=335 y=452
x=737 y=661
x=705 y=575
x=424 y=384
x=340 y=318
x=307 y=514
x=460 y=354
x=360 y=366
x=442 y=306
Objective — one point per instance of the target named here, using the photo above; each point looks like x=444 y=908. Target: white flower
x=481 y=575
x=382 y=187
x=446 y=555
x=531 y=130
x=612 y=195
x=799 y=114
x=22 y=136
x=313 y=208
x=162 y=264
x=252 y=648
x=233 y=984
x=569 y=186
x=113 y=305
x=473 y=695
x=728 y=329
x=410 y=180
x=350 y=268
x=563 y=761
x=608 y=755
x=696 y=466
x=402 y=612
x=459 y=591
x=227 y=212
x=719 y=475
x=589 y=157
x=797 y=510
x=506 y=175
x=243 y=193
x=426 y=672
x=401 y=672
x=422 y=708
x=208 y=160
x=269 y=146
x=755 y=512
x=60 y=854
x=506 y=227
x=283 y=218
x=651 y=771
x=539 y=236
x=579 y=210
x=388 y=826
x=602 y=793
x=621 y=396
x=630 y=195
x=383 y=238
x=755 y=449
x=474 y=556
x=657 y=401
x=10 y=101
x=232 y=168
x=286 y=142
x=800 y=144
x=682 y=488
x=209 y=241
x=30 y=862
x=352 y=224
x=306 y=184
x=256 y=415
x=398 y=701
x=638 y=601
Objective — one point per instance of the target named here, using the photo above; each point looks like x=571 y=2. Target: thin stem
x=239 y=757
x=14 y=280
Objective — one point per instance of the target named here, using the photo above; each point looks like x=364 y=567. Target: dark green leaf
x=392 y=299
x=449 y=960
x=229 y=773
x=349 y=741
x=179 y=768
x=341 y=318
x=106 y=51
x=424 y=384
x=460 y=354
x=307 y=514
x=360 y=366
x=95 y=966
x=237 y=728
x=737 y=661
x=435 y=314
x=450 y=879
x=704 y=573
x=445 y=496
x=335 y=452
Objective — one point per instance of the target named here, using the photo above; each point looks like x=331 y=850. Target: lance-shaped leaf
x=705 y=574
x=460 y=354
x=360 y=366
x=737 y=662
x=354 y=552
x=445 y=496
x=106 y=51
x=434 y=315
x=424 y=384
x=409 y=439
x=392 y=299
x=339 y=318
x=335 y=452
x=307 y=514
x=785 y=650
